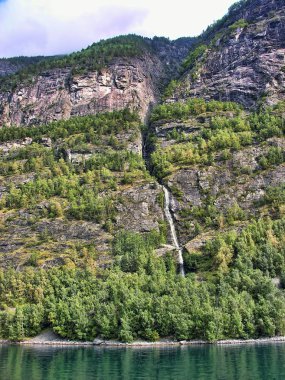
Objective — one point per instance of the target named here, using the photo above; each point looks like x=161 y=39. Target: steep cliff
x=241 y=58
x=125 y=72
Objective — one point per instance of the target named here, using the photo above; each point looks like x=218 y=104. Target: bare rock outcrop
x=133 y=82
x=245 y=58
x=57 y=94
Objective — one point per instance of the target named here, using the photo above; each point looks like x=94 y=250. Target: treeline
x=51 y=162
x=191 y=107
x=141 y=296
x=94 y=57
x=103 y=123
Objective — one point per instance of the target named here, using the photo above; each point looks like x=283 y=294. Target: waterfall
x=173 y=230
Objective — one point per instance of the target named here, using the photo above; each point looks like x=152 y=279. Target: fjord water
x=247 y=362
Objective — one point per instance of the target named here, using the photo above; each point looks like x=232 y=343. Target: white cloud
x=36 y=27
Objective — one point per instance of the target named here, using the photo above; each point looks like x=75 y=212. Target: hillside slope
x=84 y=211
x=70 y=186
x=223 y=166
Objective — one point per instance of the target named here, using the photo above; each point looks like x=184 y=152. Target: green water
x=200 y=362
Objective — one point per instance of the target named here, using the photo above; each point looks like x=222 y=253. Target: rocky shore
x=48 y=338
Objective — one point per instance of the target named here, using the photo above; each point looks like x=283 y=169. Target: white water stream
x=173 y=230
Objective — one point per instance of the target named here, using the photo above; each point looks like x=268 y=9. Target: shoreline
x=136 y=344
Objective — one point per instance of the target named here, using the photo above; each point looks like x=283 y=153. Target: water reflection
x=201 y=362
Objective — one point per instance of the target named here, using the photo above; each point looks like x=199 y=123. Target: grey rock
x=246 y=64
x=133 y=83
x=139 y=210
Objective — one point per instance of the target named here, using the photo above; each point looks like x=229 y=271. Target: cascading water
x=173 y=230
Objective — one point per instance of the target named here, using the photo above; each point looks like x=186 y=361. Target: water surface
x=247 y=362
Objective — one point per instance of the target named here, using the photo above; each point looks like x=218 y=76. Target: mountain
x=126 y=71
x=241 y=58
x=136 y=161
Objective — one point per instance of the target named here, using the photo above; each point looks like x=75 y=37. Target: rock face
x=224 y=186
x=133 y=82
x=56 y=94
x=245 y=57
x=139 y=210
x=240 y=59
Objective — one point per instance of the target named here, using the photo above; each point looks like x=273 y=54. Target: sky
x=48 y=27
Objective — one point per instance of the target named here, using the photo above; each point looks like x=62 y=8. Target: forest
x=229 y=290
x=142 y=297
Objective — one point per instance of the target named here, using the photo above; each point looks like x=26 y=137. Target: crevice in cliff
x=147 y=148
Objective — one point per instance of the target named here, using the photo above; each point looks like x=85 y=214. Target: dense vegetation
x=93 y=126
x=193 y=57
x=228 y=291
x=12 y=65
x=141 y=296
x=192 y=107
x=24 y=61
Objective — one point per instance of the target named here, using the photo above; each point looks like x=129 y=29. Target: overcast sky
x=47 y=27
